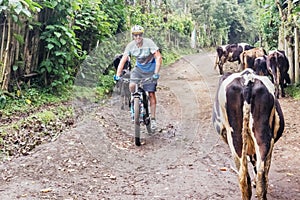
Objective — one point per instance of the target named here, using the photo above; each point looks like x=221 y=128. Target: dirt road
x=184 y=159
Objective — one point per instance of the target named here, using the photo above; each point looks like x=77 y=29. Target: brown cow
x=279 y=65
x=247 y=57
x=247 y=115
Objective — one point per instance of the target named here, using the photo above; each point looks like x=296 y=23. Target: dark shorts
x=137 y=73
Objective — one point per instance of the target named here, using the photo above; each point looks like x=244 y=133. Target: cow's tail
x=249 y=81
x=246 y=182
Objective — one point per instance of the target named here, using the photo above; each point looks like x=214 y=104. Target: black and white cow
x=260 y=68
x=231 y=53
x=116 y=61
x=123 y=87
x=248 y=116
x=279 y=64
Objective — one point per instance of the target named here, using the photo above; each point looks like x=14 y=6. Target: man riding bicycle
x=148 y=63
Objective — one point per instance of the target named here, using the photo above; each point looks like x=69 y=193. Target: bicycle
x=139 y=108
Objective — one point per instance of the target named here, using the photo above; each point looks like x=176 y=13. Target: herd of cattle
x=246 y=110
x=274 y=64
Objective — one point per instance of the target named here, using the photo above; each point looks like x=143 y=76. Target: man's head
x=137 y=32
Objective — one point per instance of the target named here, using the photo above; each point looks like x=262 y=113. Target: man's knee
x=132 y=87
x=152 y=96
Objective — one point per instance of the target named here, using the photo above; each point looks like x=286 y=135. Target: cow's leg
x=264 y=153
x=222 y=61
x=277 y=82
x=244 y=178
x=217 y=62
x=281 y=83
x=252 y=159
x=221 y=68
x=262 y=178
x=127 y=95
x=242 y=167
x=122 y=94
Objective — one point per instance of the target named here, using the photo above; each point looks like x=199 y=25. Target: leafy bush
x=31 y=99
x=294 y=91
x=63 y=50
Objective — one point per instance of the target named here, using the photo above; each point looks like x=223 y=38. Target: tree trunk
x=290 y=56
x=297 y=70
x=289 y=41
x=5 y=72
x=281 y=34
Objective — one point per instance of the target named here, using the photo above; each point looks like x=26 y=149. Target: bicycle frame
x=143 y=97
x=140 y=108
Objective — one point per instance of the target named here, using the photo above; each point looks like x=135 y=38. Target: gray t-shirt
x=144 y=54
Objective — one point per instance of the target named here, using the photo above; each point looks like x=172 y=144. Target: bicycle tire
x=147 y=118
x=137 y=125
x=149 y=130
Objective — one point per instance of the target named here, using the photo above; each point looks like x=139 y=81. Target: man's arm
x=121 y=64
x=158 y=60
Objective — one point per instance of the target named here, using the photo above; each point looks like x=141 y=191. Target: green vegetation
x=31 y=99
x=294 y=91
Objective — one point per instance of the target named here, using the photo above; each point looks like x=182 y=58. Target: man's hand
x=155 y=76
x=116 y=77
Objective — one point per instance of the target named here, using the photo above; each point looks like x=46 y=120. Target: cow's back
x=245 y=87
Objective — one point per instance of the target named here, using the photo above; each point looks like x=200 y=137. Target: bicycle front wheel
x=137 y=125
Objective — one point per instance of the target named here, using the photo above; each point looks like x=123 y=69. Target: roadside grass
x=32 y=117
x=294 y=91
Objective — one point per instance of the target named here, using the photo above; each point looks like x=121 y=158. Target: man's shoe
x=153 y=124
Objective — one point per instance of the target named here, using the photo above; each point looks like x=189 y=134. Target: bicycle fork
x=141 y=107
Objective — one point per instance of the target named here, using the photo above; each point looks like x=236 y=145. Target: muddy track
x=184 y=159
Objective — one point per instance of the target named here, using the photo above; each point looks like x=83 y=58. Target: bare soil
x=184 y=159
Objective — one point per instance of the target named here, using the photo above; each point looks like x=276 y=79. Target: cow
x=116 y=61
x=248 y=117
x=279 y=64
x=123 y=86
x=247 y=57
x=231 y=53
x=260 y=67
x=221 y=58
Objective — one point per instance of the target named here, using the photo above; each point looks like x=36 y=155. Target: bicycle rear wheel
x=137 y=125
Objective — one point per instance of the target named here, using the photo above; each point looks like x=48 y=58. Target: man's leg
x=132 y=87
x=152 y=98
